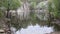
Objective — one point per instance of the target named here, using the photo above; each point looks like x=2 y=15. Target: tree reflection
x=25 y=23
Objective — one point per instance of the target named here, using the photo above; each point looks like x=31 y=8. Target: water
x=37 y=29
x=30 y=27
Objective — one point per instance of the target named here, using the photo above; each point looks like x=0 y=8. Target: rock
x=2 y=31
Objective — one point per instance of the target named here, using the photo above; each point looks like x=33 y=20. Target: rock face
x=24 y=11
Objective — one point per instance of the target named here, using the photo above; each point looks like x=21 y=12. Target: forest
x=18 y=14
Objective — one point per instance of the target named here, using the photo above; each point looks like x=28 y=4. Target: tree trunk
x=7 y=24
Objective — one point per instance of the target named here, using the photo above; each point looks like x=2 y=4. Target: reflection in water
x=25 y=27
x=35 y=30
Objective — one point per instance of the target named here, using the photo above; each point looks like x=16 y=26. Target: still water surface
x=37 y=29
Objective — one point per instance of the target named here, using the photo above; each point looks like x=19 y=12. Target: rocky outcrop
x=22 y=12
